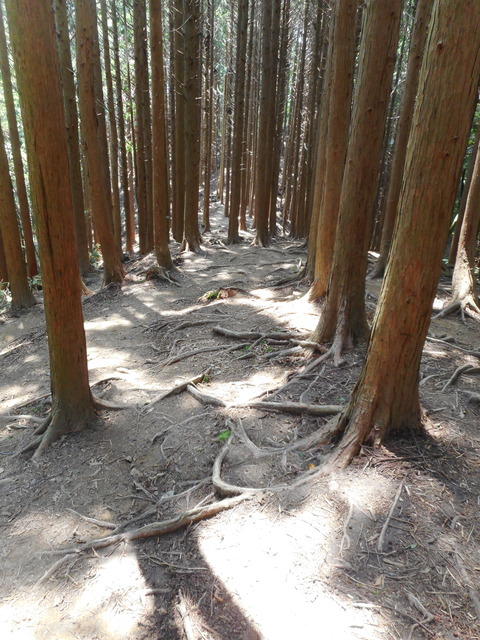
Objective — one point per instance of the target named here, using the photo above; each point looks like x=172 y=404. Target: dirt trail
x=388 y=549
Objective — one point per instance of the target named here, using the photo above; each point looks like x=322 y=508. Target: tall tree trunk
x=179 y=132
x=343 y=318
x=191 y=232
x=335 y=144
x=238 y=125
x=73 y=137
x=95 y=137
x=143 y=130
x=32 y=268
x=386 y=398
x=129 y=211
x=267 y=103
x=38 y=76
x=209 y=110
x=3 y=263
x=22 y=297
x=419 y=35
x=452 y=256
x=464 y=295
x=161 y=204
x=112 y=121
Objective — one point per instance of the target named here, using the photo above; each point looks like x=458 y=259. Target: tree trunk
x=419 y=35
x=73 y=138
x=334 y=146
x=179 y=133
x=343 y=318
x=94 y=134
x=238 y=125
x=191 y=232
x=112 y=121
x=3 y=263
x=32 y=268
x=464 y=295
x=161 y=204
x=129 y=211
x=38 y=76
x=452 y=256
x=386 y=398
x=22 y=297
x=143 y=132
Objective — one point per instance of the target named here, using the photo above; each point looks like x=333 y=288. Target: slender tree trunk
x=112 y=121
x=161 y=204
x=209 y=109
x=142 y=135
x=464 y=295
x=239 y=112
x=419 y=35
x=335 y=143
x=463 y=200
x=386 y=398
x=267 y=103
x=38 y=76
x=22 y=297
x=94 y=134
x=73 y=137
x=343 y=318
x=3 y=263
x=32 y=268
x=129 y=212
x=191 y=233
x=179 y=169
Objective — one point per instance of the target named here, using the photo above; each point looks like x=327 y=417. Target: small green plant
x=224 y=435
x=206 y=378
x=95 y=255
x=36 y=283
x=212 y=295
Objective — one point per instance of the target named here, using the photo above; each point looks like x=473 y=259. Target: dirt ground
x=390 y=548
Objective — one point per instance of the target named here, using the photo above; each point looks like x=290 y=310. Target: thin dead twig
x=467 y=582
x=48 y=574
x=99 y=523
x=458 y=372
x=381 y=538
x=182 y=608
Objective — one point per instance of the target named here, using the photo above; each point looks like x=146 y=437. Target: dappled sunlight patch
x=107 y=324
x=273 y=565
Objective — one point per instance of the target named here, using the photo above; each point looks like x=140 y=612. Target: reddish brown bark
x=73 y=138
x=22 y=297
x=92 y=115
x=161 y=205
x=24 y=208
x=386 y=398
x=38 y=77
x=343 y=317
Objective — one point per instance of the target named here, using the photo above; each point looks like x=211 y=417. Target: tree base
x=468 y=305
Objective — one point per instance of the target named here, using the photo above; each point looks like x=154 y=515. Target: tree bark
x=32 y=268
x=161 y=204
x=94 y=134
x=419 y=35
x=22 y=297
x=129 y=211
x=238 y=125
x=38 y=76
x=73 y=138
x=179 y=132
x=191 y=232
x=343 y=318
x=335 y=144
x=386 y=398
x=112 y=121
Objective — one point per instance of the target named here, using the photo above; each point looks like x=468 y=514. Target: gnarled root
x=468 y=306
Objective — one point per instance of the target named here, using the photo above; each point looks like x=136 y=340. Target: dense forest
x=238 y=269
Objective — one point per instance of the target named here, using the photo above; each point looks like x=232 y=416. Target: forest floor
x=390 y=548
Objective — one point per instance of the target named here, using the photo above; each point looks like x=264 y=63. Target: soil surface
x=390 y=548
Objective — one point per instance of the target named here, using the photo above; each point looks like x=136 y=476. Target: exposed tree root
x=195 y=352
x=159 y=528
x=174 y=390
x=471 y=352
x=254 y=335
x=296 y=408
x=21 y=416
x=205 y=399
x=467 y=305
x=466 y=368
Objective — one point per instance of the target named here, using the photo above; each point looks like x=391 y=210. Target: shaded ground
x=312 y=561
